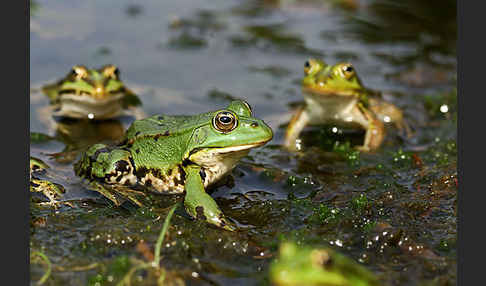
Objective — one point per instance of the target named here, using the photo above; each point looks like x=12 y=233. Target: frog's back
x=165 y=125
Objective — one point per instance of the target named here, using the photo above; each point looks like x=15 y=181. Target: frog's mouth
x=224 y=150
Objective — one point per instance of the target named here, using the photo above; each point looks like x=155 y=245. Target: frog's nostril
x=254 y=124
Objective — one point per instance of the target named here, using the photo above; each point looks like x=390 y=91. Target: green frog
x=92 y=94
x=336 y=95
x=52 y=191
x=171 y=154
x=303 y=265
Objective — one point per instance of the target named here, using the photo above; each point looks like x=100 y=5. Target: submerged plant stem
x=49 y=267
x=156 y=262
x=160 y=240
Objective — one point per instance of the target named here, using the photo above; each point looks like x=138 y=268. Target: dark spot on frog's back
x=141 y=172
x=166 y=133
x=99 y=151
x=148 y=183
x=137 y=133
x=160 y=117
x=121 y=166
x=137 y=151
x=200 y=213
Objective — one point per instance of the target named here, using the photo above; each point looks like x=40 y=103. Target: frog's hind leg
x=390 y=113
x=299 y=120
x=375 y=130
x=199 y=204
x=117 y=194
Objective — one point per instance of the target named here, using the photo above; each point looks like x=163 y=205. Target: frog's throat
x=217 y=162
x=79 y=106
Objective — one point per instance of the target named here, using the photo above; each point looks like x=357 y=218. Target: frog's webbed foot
x=299 y=120
x=199 y=204
x=117 y=194
x=53 y=192
x=65 y=157
x=404 y=128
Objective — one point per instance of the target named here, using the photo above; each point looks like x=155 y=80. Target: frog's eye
x=111 y=71
x=307 y=67
x=79 y=72
x=320 y=258
x=225 y=121
x=248 y=106
x=347 y=70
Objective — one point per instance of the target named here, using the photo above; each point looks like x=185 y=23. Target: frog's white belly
x=83 y=106
x=326 y=109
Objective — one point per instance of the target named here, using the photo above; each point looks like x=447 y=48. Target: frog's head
x=303 y=265
x=340 y=79
x=229 y=132
x=98 y=84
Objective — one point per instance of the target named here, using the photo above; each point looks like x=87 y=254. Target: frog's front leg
x=199 y=204
x=299 y=120
x=375 y=130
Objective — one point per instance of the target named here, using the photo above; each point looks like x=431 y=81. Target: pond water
x=188 y=57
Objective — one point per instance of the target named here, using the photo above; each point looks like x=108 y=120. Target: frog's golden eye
x=79 y=72
x=111 y=71
x=347 y=70
x=225 y=121
x=248 y=106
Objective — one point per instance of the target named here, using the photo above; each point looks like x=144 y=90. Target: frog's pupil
x=225 y=119
x=307 y=64
x=348 y=69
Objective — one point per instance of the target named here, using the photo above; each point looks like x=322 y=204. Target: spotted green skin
x=175 y=154
x=303 y=265
x=334 y=94
x=91 y=93
x=53 y=192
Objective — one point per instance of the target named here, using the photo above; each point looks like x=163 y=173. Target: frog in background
x=92 y=94
x=335 y=95
x=298 y=265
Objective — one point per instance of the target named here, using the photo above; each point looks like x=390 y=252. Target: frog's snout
x=266 y=129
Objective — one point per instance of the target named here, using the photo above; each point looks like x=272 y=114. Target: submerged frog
x=172 y=154
x=335 y=94
x=303 y=265
x=52 y=191
x=92 y=94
